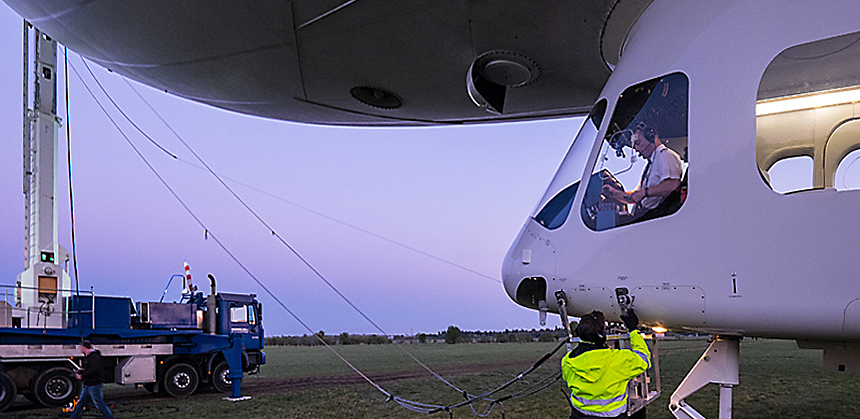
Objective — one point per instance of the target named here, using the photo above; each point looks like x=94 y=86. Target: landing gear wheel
x=220 y=377
x=8 y=391
x=180 y=380
x=55 y=387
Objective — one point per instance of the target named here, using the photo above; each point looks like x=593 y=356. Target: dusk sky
x=460 y=194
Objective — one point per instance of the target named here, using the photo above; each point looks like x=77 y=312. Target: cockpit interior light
x=807 y=101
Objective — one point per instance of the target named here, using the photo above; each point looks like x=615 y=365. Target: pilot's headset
x=647 y=131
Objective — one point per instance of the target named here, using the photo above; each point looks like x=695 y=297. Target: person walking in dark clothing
x=93 y=376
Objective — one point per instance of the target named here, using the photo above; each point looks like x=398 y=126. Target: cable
x=326 y=14
x=352 y=226
x=257 y=216
x=509 y=383
x=71 y=195
x=284 y=242
x=411 y=405
x=124 y=114
x=215 y=238
x=405 y=246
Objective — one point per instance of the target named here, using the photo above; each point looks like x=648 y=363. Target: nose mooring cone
x=492 y=73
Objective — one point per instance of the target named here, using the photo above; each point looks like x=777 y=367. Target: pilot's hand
x=630 y=319
x=638 y=195
x=610 y=191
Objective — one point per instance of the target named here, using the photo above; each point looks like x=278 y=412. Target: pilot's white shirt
x=665 y=164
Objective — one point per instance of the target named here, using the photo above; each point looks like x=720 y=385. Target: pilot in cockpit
x=662 y=174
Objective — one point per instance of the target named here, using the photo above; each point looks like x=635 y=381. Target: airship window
x=556 y=202
x=807 y=108
x=791 y=174
x=848 y=172
x=641 y=168
x=554 y=214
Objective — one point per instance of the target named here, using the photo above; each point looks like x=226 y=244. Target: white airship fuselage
x=723 y=85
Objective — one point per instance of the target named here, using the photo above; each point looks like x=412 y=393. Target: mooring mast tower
x=44 y=282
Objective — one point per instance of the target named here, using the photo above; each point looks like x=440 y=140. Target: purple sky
x=458 y=193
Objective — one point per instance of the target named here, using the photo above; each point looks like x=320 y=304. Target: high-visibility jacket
x=598 y=377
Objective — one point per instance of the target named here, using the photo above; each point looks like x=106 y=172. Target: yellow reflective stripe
x=601 y=407
x=603 y=402
x=643 y=356
x=609 y=414
x=640 y=347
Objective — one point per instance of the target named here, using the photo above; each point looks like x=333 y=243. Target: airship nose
x=529 y=264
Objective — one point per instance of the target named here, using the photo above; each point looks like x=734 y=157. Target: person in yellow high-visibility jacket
x=596 y=375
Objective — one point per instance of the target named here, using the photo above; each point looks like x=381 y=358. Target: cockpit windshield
x=640 y=172
x=554 y=207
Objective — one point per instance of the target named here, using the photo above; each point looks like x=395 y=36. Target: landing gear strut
x=562 y=312
x=718 y=365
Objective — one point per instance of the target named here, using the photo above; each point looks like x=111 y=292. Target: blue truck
x=165 y=347
x=170 y=348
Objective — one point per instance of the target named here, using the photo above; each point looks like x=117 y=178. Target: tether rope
x=215 y=238
x=71 y=195
x=267 y=226
x=286 y=201
x=406 y=403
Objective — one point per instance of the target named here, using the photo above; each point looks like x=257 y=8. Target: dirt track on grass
x=263 y=385
x=268 y=385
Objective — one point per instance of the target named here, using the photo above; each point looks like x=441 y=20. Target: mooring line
x=406 y=403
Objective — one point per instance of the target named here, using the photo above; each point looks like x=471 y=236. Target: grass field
x=778 y=380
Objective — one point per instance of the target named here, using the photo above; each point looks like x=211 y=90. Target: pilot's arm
x=619 y=195
x=662 y=189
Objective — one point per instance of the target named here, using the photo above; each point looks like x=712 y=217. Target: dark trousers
x=575 y=414
x=91 y=394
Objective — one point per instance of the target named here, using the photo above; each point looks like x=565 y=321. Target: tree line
x=452 y=335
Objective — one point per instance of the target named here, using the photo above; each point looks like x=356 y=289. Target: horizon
x=411 y=224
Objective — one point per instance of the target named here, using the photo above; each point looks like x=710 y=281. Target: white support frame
x=41 y=302
x=718 y=365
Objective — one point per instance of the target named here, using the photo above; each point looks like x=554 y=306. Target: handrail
x=10 y=293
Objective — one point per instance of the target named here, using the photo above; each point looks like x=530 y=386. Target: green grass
x=778 y=380
x=304 y=361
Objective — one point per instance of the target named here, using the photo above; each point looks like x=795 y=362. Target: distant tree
x=422 y=338
x=501 y=338
x=547 y=337
x=512 y=338
x=344 y=339
x=376 y=340
x=452 y=335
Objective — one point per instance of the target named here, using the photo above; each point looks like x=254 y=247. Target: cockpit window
x=641 y=169
x=554 y=214
x=555 y=205
x=807 y=124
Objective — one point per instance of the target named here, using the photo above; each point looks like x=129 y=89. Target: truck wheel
x=55 y=387
x=220 y=379
x=180 y=380
x=8 y=391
